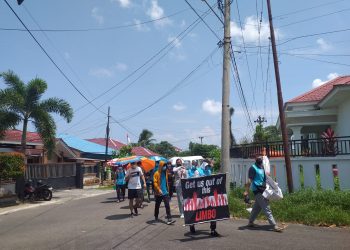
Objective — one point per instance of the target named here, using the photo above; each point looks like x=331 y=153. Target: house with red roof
x=116 y=145
x=327 y=106
x=11 y=142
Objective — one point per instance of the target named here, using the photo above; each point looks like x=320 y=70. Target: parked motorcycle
x=40 y=192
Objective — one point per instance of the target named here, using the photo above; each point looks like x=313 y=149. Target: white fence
x=308 y=172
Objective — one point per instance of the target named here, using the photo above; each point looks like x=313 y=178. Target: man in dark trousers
x=161 y=192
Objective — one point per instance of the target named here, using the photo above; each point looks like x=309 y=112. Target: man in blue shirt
x=257 y=183
x=161 y=192
x=120 y=184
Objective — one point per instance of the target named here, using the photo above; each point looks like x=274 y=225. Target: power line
x=171 y=43
x=212 y=31
x=314 y=34
x=306 y=9
x=318 y=60
x=98 y=29
x=50 y=58
x=170 y=91
x=245 y=53
x=314 y=18
x=52 y=44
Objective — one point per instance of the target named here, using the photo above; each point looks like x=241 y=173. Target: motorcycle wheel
x=47 y=195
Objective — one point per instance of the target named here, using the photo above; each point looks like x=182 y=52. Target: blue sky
x=107 y=43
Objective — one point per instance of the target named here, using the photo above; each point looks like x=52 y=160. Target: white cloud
x=141 y=27
x=324 y=45
x=212 y=107
x=251 y=31
x=157 y=12
x=179 y=106
x=176 y=41
x=121 y=66
x=318 y=82
x=123 y=3
x=101 y=72
x=95 y=13
x=108 y=71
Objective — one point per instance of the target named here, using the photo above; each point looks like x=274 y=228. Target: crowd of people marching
x=164 y=179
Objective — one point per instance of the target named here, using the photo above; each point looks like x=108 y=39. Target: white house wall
x=343 y=128
x=239 y=171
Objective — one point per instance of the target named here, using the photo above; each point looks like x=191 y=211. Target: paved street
x=85 y=219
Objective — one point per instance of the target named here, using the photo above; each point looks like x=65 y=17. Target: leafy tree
x=215 y=154
x=269 y=133
x=21 y=102
x=164 y=148
x=145 y=138
x=272 y=133
x=124 y=151
x=201 y=149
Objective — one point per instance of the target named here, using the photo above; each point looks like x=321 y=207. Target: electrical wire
x=170 y=91
x=246 y=57
x=313 y=18
x=98 y=29
x=212 y=31
x=306 y=9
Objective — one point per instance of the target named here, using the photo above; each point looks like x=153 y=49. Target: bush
x=309 y=207
x=11 y=165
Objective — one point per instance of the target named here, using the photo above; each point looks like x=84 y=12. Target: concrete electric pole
x=280 y=104
x=225 y=119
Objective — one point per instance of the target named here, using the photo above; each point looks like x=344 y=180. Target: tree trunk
x=24 y=138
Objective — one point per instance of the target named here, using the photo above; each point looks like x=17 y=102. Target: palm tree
x=21 y=102
x=145 y=138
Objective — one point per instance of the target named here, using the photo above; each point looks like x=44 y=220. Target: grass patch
x=309 y=207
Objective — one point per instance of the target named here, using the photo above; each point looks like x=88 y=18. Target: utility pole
x=280 y=104
x=225 y=119
x=201 y=138
x=260 y=120
x=107 y=139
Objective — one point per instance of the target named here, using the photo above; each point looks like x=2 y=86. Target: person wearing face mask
x=161 y=192
x=180 y=173
x=133 y=176
x=207 y=171
x=193 y=171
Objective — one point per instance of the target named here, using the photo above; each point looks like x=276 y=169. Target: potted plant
x=329 y=142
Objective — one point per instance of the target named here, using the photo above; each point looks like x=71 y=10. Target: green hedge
x=309 y=207
x=11 y=165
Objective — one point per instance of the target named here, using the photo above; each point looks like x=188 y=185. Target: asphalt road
x=98 y=222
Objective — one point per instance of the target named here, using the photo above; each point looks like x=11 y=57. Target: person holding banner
x=180 y=173
x=207 y=172
x=257 y=183
x=161 y=192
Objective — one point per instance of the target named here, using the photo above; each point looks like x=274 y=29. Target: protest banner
x=205 y=199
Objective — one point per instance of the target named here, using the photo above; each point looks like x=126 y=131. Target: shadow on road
x=199 y=235
x=118 y=217
x=258 y=228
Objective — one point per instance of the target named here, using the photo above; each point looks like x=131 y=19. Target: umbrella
x=146 y=163
x=158 y=158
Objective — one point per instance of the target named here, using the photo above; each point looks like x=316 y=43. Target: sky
x=159 y=67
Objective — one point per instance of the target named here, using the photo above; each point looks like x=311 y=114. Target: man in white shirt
x=180 y=173
x=133 y=176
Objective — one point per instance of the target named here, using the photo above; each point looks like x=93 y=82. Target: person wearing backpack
x=257 y=183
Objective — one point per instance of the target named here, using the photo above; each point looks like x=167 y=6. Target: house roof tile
x=83 y=145
x=317 y=94
x=116 y=145
x=143 y=151
x=16 y=136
